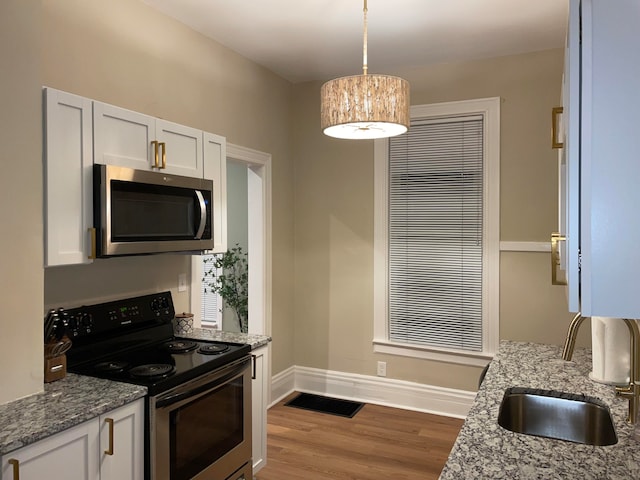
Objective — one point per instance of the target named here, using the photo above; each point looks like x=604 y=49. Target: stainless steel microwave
x=142 y=212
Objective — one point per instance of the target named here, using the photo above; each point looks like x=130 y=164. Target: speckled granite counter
x=484 y=450
x=256 y=341
x=64 y=403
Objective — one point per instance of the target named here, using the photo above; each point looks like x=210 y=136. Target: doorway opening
x=253 y=207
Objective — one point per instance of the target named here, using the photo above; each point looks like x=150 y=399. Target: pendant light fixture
x=364 y=106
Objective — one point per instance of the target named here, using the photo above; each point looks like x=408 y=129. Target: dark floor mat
x=318 y=403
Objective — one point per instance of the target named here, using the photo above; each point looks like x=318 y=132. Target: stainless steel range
x=198 y=409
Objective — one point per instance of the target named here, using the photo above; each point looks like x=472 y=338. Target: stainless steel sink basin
x=563 y=416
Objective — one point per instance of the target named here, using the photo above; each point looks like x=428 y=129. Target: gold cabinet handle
x=16 y=468
x=555 y=113
x=92 y=236
x=156 y=161
x=109 y=451
x=555 y=258
x=164 y=154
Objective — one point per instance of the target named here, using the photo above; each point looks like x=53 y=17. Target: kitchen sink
x=551 y=414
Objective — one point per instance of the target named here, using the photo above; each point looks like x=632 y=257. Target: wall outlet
x=182 y=282
x=382 y=369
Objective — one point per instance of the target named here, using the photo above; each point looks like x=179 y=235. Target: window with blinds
x=435 y=234
x=211 y=302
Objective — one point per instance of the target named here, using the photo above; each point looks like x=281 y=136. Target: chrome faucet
x=632 y=391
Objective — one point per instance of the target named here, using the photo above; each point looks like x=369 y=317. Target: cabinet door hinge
x=579 y=261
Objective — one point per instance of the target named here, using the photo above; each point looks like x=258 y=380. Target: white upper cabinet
x=130 y=139
x=68 y=191
x=80 y=132
x=122 y=137
x=602 y=143
x=215 y=168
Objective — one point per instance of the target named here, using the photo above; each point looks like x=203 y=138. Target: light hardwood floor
x=378 y=443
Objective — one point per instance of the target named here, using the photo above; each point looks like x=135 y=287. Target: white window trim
x=490 y=109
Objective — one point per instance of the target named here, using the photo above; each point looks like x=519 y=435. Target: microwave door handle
x=203 y=215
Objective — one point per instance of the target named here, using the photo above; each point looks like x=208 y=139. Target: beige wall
x=129 y=55
x=334 y=219
x=21 y=252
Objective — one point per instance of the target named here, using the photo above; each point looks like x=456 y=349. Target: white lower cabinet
x=78 y=453
x=69 y=455
x=122 y=443
x=260 y=392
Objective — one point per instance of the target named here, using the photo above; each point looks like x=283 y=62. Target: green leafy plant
x=227 y=274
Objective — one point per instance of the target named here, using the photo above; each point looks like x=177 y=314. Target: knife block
x=55 y=368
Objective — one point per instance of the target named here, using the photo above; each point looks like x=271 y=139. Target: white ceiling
x=305 y=40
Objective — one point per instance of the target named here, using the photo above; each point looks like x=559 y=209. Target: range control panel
x=119 y=315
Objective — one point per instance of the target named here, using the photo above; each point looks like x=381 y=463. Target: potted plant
x=227 y=274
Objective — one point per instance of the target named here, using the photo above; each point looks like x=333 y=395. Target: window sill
x=475 y=359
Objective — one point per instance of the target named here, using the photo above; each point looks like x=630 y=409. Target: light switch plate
x=182 y=282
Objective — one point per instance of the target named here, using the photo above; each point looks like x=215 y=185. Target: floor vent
x=332 y=406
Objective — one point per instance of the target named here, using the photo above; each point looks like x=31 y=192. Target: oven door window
x=206 y=429
x=142 y=212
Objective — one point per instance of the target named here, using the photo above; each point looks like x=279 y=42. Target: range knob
x=72 y=328
x=86 y=321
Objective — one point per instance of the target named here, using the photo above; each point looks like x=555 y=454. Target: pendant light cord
x=364 y=48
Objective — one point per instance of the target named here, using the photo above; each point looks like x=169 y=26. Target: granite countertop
x=256 y=341
x=63 y=404
x=485 y=450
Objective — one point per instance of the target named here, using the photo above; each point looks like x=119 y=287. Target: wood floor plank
x=378 y=443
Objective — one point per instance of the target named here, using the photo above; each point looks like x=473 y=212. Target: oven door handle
x=217 y=382
x=203 y=215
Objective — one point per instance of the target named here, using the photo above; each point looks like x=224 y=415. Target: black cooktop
x=157 y=368
x=132 y=341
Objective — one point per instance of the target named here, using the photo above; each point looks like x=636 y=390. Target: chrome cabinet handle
x=555 y=258
x=109 y=451
x=16 y=468
x=555 y=112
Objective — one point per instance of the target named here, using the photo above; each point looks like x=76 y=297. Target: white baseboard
x=282 y=384
x=377 y=390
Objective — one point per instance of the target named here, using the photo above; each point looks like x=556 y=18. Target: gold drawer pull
x=555 y=112
x=109 y=451
x=555 y=258
x=164 y=154
x=16 y=468
x=156 y=159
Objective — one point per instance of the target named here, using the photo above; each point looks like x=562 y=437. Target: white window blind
x=435 y=234
x=211 y=302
